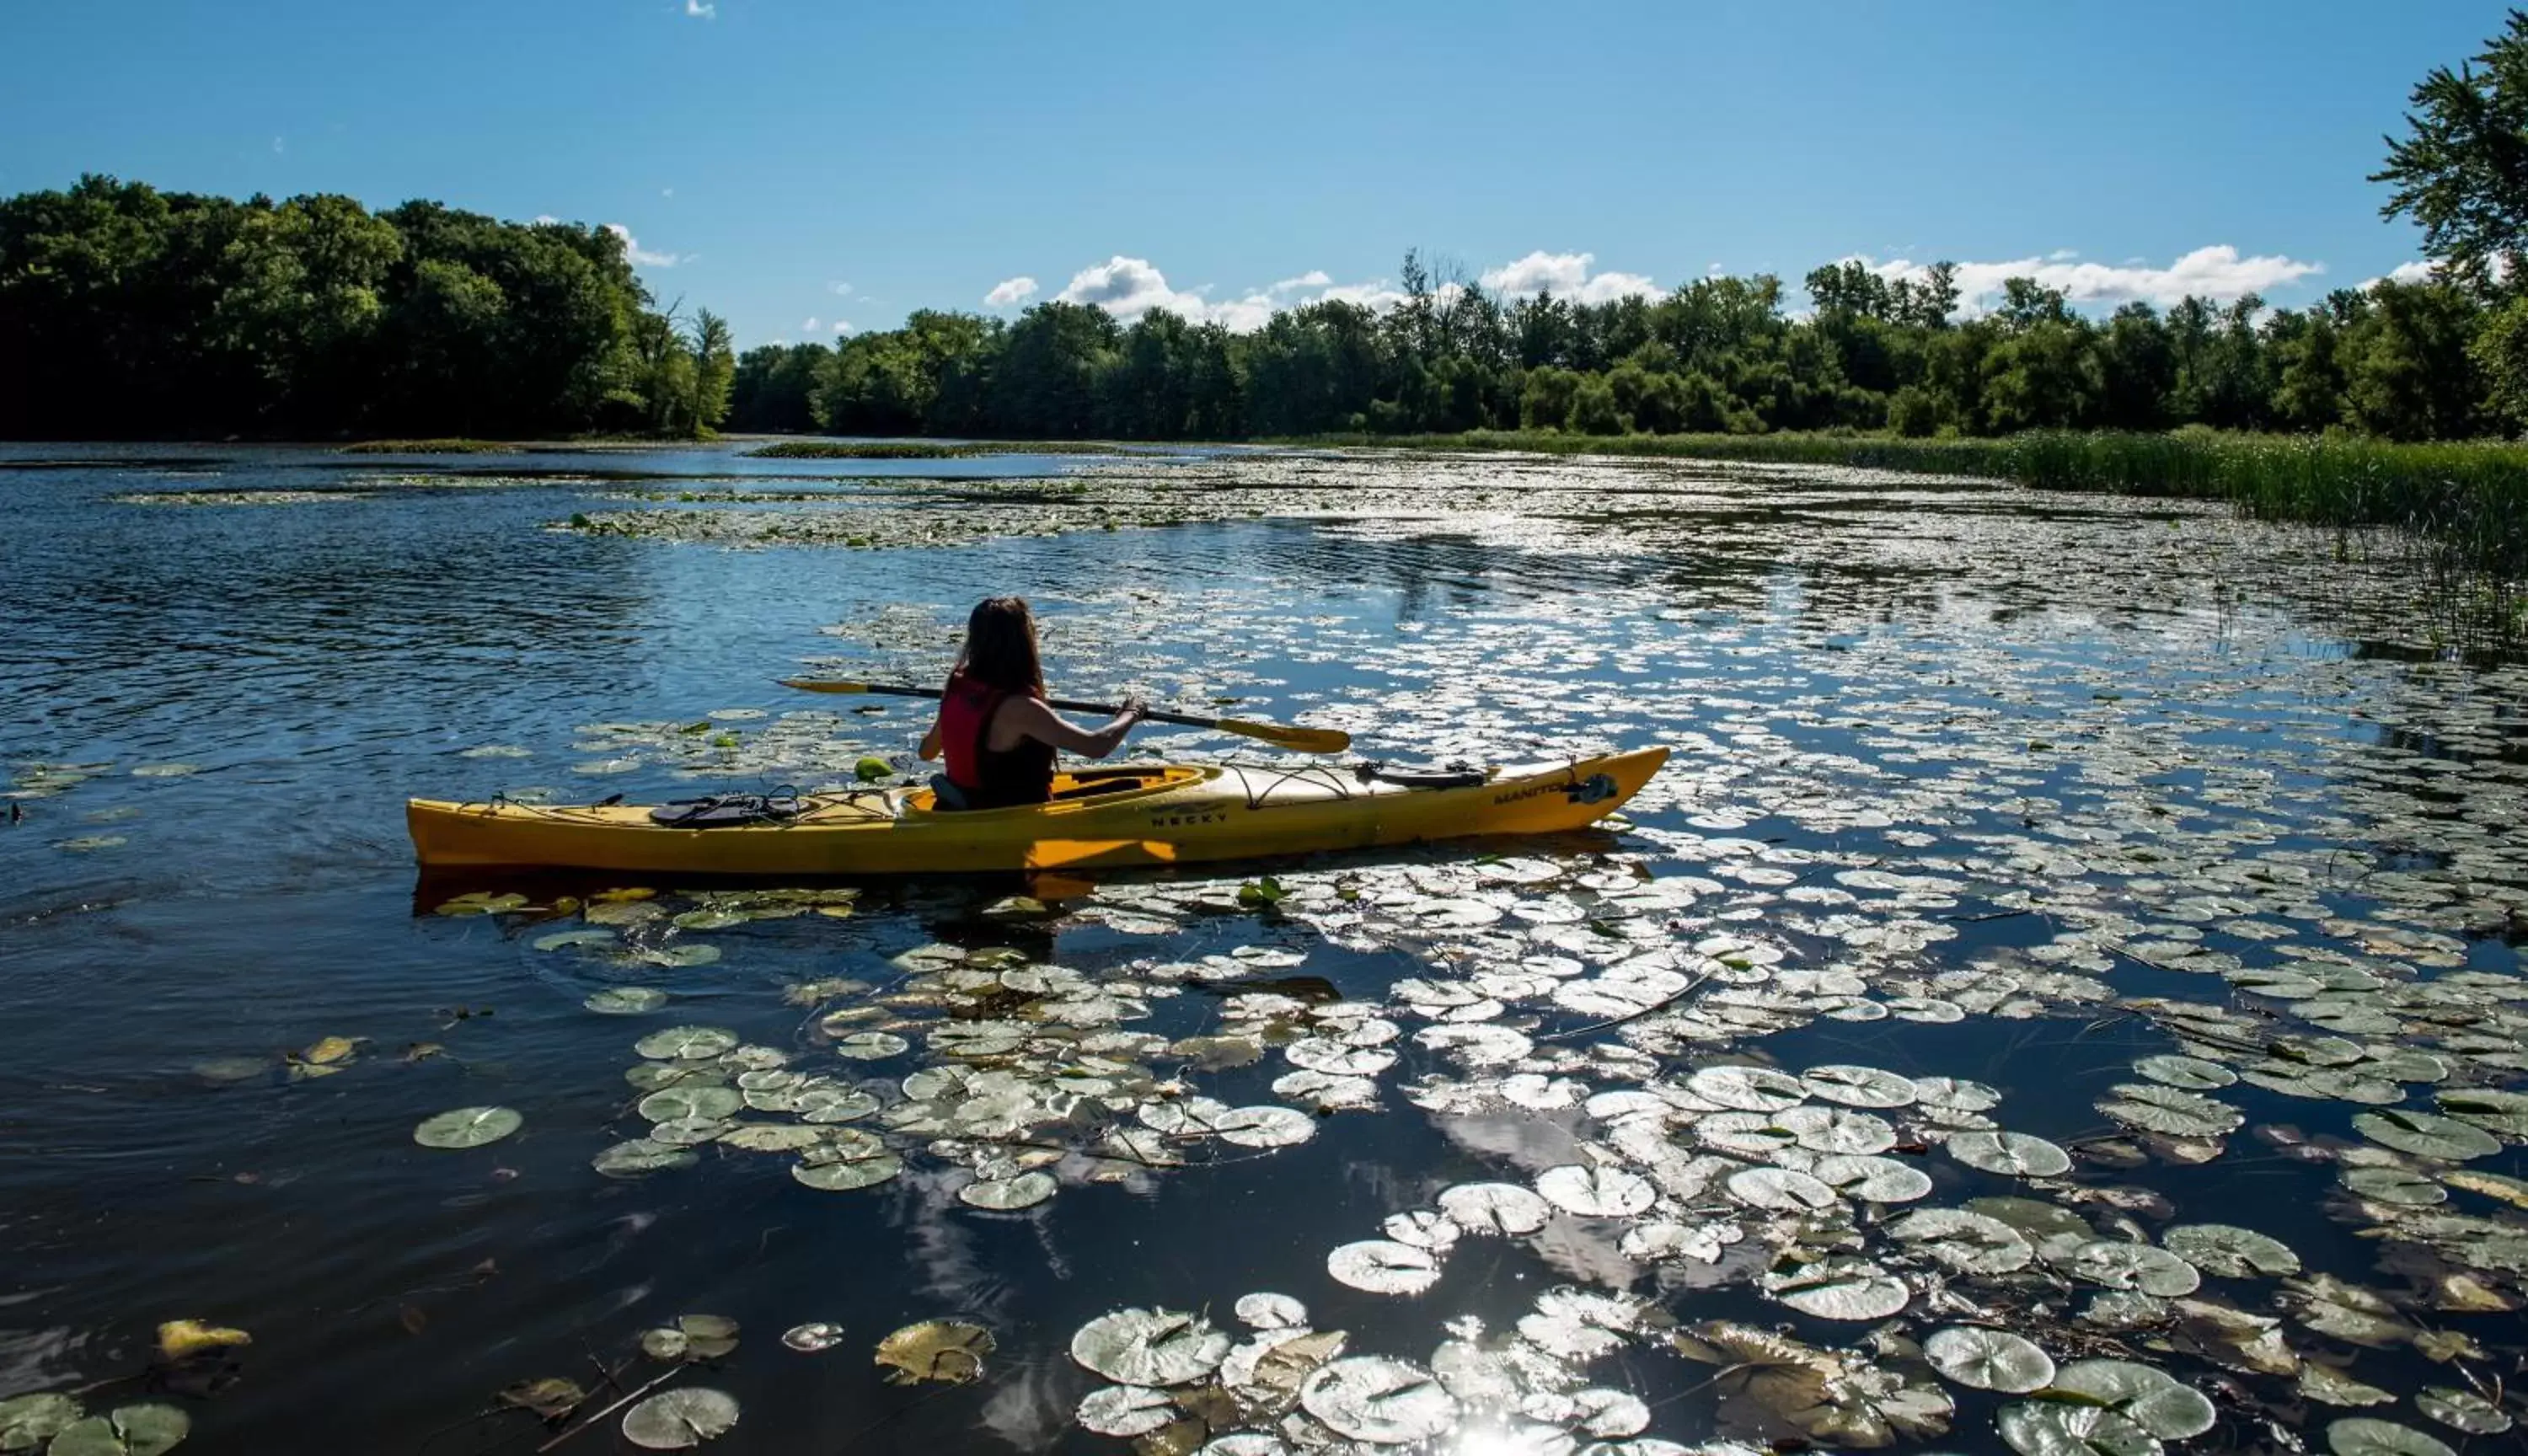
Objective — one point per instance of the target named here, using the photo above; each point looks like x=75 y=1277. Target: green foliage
x=125 y=311
x=2461 y=170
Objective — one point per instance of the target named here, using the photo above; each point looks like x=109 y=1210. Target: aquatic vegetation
x=865 y=449
x=446 y=445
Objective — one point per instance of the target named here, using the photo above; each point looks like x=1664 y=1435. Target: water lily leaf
x=2426 y=1134
x=27 y=1422
x=686 y=1043
x=2229 y=1251
x=772 y=1137
x=948 y=1351
x=1149 y=1347
x=1963 y=1241
x=1784 y=1188
x=2391 y=1184
x=1834 y=1130
x=640 y=1156
x=1504 y=1209
x=563 y=939
x=1596 y=1192
x=675 y=1420
x=1858 y=1086
x=1839 y=1290
x=847 y=1174
x=1264 y=1126
x=551 y=1397
x=1752 y=1089
x=468 y=1127
x=1871 y=1178
x=2492 y=1108
x=812 y=1338
x=1384 y=1267
x=691 y=1337
x=1989 y=1359
x=1126 y=1410
x=1266 y=1311
x=2365 y=1436
x=1023 y=1190
x=2462 y=1409
x=692 y=1102
x=2194 y=1073
x=2327 y=1385
x=2179 y=1113
x=2017 y=1155
x=2047 y=1428
x=1377 y=1399
x=2119 y=1265
x=871 y=1046
x=626 y=1001
x=2152 y=1399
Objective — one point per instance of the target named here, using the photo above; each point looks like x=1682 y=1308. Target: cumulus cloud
x=2419 y=271
x=1010 y=291
x=1565 y=276
x=701 y=10
x=840 y=289
x=842 y=325
x=1314 y=278
x=809 y=326
x=2216 y=273
x=641 y=257
x=1128 y=287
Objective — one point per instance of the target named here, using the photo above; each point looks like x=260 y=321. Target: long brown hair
x=1000 y=647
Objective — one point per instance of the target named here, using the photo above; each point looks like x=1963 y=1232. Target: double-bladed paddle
x=1281 y=736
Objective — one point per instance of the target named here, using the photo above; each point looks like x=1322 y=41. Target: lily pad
x=1025 y=1190
x=1150 y=1347
x=1127 y=1410
x=684 y=1103
x=1989 y=1359
x=2427 y=1134
x=686 y=1043
x=676 y=1420
x=640 y=1156
x=626 y=1001
x=2365 y=1436
x=948 y=1351
x=1596 y=1192
x=468 y=1127
x=2230 y=1251
x=845 y=1175
x=2152 y=1398
x=1376 y=1399
x=1384 y=1267
x=27 y=1422
x=2017 y=1155
x=1504 y=1209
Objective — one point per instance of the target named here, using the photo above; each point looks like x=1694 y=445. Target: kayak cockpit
x=1078 y=786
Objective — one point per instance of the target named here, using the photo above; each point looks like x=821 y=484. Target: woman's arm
x=930 y=742
x=1029 y=717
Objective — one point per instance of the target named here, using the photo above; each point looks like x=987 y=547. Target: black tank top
x=1019 y=775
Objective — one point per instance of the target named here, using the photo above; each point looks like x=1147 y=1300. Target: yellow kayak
x=1100 y=818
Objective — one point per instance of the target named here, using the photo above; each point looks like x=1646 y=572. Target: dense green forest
x=2399 y=361
x=125 y=311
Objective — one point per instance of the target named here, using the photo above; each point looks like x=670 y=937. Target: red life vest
x=991 y=779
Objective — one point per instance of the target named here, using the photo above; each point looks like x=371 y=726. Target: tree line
x=2402 y=360
x=126 y=311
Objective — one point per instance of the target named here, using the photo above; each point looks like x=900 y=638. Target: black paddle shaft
x=1064 y=704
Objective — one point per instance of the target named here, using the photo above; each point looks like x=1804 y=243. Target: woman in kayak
x=994 y=727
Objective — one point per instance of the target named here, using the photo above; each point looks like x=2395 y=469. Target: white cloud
x=701 y=10
x=1010 y=291
x=641 y=257
x=840 y=289
x=2216 y=273
x=2418 y=271
x=280 y=145
x=841 y=326
x=809 y=326
x=1128 y=287
x=545 y=219
x=1314 y=278
x=1566 y=276
x=666 y=192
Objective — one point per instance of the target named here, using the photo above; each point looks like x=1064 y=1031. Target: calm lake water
x=1994 y=793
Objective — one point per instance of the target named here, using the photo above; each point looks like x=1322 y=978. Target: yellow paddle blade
x=1285 y=736
x=822 y=685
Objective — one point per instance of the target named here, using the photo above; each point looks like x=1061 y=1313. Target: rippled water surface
x=2116 y=910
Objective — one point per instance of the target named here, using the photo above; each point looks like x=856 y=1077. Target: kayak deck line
x=1162 y=813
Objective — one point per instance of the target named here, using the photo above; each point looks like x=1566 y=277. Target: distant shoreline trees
x=128 y=312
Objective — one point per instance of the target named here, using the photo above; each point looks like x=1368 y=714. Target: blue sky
x=783 y=161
